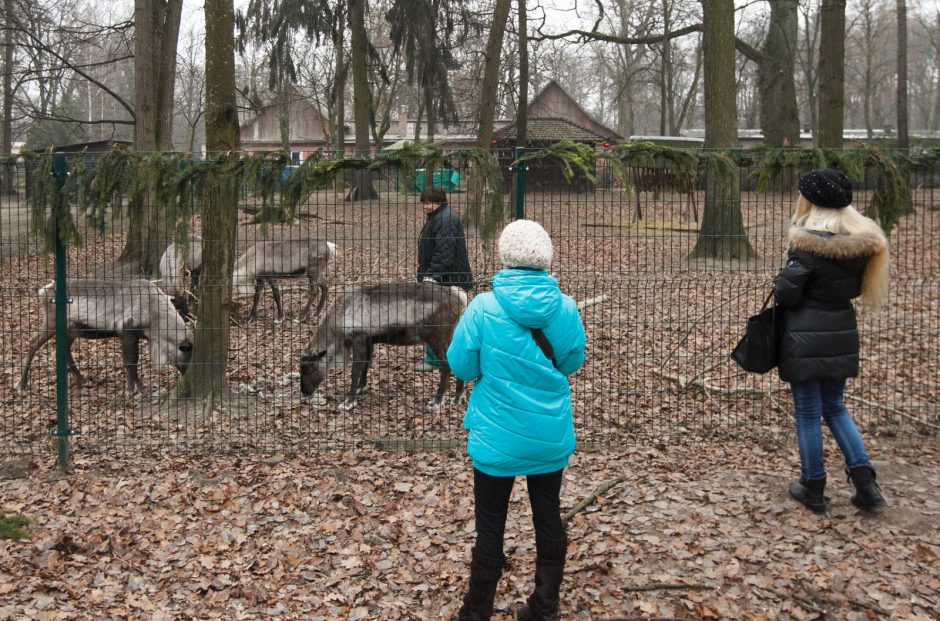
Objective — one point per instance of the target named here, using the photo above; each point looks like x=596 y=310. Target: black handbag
x=758 y=349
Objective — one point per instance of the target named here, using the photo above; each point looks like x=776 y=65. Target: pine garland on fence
x=177 y=182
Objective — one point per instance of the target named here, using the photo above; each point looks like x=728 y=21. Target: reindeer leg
x=39 y=339
x=321 y=285
x=130 y=348
x=365 y=368
x=694 y=205
x=276 y=292
x=438 y=400
x=459 y=395
x=73 y=367
x=360 y=364
x=253 y=313
x=311 y=291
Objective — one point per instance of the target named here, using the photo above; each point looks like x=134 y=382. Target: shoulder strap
x=542 y=341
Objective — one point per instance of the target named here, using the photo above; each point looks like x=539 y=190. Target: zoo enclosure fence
x=660 y=323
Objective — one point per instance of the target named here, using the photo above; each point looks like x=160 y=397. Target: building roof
x=546 y=94
x=550 y=130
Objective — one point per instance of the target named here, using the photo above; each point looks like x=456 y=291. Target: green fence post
x=60 y=171
x=520 y=184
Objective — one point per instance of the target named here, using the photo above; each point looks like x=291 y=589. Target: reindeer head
x=313 y=369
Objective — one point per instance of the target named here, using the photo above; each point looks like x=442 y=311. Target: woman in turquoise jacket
x=519 y=415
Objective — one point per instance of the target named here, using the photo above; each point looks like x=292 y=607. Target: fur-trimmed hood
x=865 y=244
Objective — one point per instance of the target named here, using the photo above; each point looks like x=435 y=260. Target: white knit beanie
x=524 y=243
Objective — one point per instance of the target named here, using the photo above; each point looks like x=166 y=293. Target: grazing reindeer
x=129 y=310
x=267 y=261
x=176 y=265
x=656 y=179
x=395 y=314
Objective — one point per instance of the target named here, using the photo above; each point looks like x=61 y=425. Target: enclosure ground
x=694 y=532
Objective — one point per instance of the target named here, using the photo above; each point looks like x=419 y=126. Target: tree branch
x=588 y=501
x=594 y=35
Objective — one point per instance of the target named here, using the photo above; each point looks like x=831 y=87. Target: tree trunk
x=831 y=74
x=7 y=185
x=780 y=118
x=490 y=86
x=340 y=88
x=283 y=118
x=722 y=233
x=156 y=32
x=361 y=181
x=205 y=376
x=522 y=108
x=903 y=139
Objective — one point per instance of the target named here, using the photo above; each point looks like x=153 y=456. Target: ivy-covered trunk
x=779 y=112
x=205 y=376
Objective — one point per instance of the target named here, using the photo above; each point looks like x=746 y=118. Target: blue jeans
x=824 y=399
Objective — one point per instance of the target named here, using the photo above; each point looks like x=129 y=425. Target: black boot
x=544 y=602
x=867 y=493
x=810 y=493
x=484 y=578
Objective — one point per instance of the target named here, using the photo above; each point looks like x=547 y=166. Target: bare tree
x=205 y=377
x=722 y=233
x=903 y=139
x=831 y=73
x=190 y=94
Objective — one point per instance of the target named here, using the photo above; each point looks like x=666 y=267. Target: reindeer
x=395 y=314
x=267 y=261
x=128 y=310
x=176 y=265
x=656 y=179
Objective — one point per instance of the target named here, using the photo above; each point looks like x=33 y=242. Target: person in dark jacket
x=442 y=253
x=836 y=255
x=519 y=415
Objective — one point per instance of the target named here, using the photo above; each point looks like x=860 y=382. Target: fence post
x=520 y=184
x=62 y=432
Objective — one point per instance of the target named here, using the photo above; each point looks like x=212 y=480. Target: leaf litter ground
x=695 y=531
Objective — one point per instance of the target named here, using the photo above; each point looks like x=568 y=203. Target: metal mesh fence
x=660 y=323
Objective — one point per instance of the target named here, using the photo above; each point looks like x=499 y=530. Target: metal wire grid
x=659 y=327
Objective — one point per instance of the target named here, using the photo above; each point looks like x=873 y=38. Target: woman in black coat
x=836 y=255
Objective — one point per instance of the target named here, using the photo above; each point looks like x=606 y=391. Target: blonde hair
x=848 y=221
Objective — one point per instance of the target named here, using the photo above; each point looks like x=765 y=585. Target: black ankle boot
x=544 y=603
x=867 y=493
x=484 y=578
x=809 y=492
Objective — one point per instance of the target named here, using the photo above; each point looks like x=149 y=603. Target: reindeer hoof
x=459 y=399
x=434 y=405
x=347 y=405
x=316 y=399
x=20 y=389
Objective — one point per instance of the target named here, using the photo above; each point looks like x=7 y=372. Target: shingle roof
x=550 y=130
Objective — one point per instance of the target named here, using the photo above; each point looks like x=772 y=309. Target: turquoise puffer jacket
x=519 y=415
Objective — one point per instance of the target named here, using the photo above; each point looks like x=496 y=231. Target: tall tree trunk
x=361 y=180
x=903 y=139
x=339 y=103
x=156 y=32
x=429 y=107
x=283 y=118
x=490 y=86
x=6 y=124
x=205 y=376
x=722 y=233
x=522 y=109
x=831 y=74
x=780 y=117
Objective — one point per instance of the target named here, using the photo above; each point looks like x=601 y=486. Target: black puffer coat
x=442 y=250
x=823 y=274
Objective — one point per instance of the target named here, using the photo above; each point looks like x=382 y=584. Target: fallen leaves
x=688 y=534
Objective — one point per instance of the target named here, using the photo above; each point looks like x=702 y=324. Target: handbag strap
x=767 y=300
x=542 y=341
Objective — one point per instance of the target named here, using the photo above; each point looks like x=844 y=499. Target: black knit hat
x=826 y=187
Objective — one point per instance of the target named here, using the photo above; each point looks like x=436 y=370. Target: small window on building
x=295 y=156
